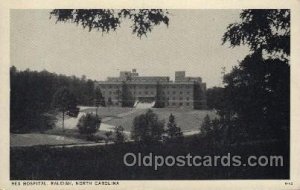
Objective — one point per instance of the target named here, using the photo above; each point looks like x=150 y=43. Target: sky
x=192 y=42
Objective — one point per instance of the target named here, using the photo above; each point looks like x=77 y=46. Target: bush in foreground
x=88 y=124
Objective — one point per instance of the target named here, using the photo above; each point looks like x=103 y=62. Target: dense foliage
x=106 y=162
x=173 y=132
x=215 y=98
x=255 y=101
x=64 y=101
x=267 y=30
x=88 y=124
x=106 y=20
x=119 y=135
x=199 y=95
x=147 y=128
x=160 y=98
x=127 y=98
x=32 y=94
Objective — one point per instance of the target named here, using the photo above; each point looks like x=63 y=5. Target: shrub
x=147 y=128
x=119 y=135
x=174 y=133
x=108 y=135
x=89 y=124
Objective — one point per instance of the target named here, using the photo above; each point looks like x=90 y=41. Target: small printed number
x=288 y=183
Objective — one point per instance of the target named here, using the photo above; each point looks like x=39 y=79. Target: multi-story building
x=184 y=91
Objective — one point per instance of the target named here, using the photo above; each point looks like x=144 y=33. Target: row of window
x=145 y=92
x=167 y=99
x=179 y=104
x=146 y=87
x=180 y=92
x=180 y=98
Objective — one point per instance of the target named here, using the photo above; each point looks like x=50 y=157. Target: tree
x=265 y=30
x=64 y=101
x=32 y=96
x=108 y=135
x=206 y=126
x=30 y=100
x=199 y=95
x=257 y=91
x=259 y=95
x=109 y=101
x=215 y=98
x=99 y=99
x=126 y=96
x=105 y=20
x=147 y=128
x=160 y=97
x=88 y=124
x=173 y=132
x=211 y=131
x=119 y=135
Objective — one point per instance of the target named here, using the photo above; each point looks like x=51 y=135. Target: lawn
x=107 y=111
x=33 y=139
x=186 y=119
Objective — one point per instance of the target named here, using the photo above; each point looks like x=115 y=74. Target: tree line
x=32 y=92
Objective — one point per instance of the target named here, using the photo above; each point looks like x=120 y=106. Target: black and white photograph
x=101 y=96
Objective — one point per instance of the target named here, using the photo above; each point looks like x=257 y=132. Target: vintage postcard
x=149 y=95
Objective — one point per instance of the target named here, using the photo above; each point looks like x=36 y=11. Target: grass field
x=34 y=139
x=186 y=119
x=107 y=111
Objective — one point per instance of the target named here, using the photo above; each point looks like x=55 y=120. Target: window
x=180 y=92
x=174 y=92
x=187 y=98
x=180 y=103
x=174 y=104
x=146 y=92
x=187 y=104
x=180 y=98
x=173 y=98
